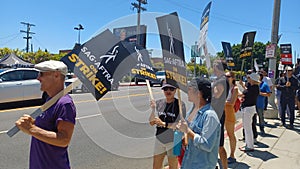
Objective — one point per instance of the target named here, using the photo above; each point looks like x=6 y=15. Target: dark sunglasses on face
x=168 y=88
x=41 y=74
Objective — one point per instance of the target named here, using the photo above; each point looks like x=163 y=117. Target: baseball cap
x=52 y=65
x=289 y=68
x=168 y=85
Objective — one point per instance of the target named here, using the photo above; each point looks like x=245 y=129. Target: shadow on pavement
x=261 y=145
x=263 y=155
x=272 y=125
x=268 y=135
x=239 y=165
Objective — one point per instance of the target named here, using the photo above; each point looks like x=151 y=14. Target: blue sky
x=229 y=20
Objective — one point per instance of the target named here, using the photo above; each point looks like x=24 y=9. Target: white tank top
x=229 y=94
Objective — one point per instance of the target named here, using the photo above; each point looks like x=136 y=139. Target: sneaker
x=246 y=149
x=242 y=139
x=231 y=160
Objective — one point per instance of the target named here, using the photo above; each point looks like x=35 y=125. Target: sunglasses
x=168 y=88
x=41 y=74
x=228 y=76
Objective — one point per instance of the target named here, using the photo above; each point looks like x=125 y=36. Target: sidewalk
x=278 y=149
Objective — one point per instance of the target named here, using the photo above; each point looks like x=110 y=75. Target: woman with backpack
x=230 y=114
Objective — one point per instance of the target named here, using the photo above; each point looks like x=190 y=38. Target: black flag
x=100 y=63
x=172 y=46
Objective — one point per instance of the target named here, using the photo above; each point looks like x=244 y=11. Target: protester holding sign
x=51 y=131
x=202 y=127
x=168 y=114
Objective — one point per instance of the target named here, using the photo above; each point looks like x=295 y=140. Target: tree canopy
x=32 y=57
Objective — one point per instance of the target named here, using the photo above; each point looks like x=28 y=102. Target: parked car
x=160 y=78
x=70 y=78
x=20 y=84
x=137 y=80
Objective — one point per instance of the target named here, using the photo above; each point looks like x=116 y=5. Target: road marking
x=89 y=116
x=83 y=101
x=16 y=109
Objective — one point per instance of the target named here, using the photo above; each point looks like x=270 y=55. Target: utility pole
x=28 y=33
x=139 y=8
x=80 y=27
x=274 y=40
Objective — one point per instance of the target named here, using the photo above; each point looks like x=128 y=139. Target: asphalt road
x=112 y=133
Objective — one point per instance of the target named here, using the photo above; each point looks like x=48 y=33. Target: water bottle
x=177 y=142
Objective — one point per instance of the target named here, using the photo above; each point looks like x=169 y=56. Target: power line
x=43 y=46
x=8 y=36
x=227 y=18
x=13 y=38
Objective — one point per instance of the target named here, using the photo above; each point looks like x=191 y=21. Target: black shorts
x=222 y=121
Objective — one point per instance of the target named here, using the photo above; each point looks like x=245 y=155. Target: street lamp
x=80 y=27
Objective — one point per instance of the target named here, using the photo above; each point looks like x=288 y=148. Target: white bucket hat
x=255 y=77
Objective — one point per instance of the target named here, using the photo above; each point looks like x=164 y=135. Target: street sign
x=195 y=52
x=270 y=50
x=286 y=54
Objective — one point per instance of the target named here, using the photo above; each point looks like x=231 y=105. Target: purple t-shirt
x=46 y=156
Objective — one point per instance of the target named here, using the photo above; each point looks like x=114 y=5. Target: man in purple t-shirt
x=51 y=131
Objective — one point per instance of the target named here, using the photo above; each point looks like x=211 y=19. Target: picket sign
x=152 y=98
x=149 y=89
x=14 y=130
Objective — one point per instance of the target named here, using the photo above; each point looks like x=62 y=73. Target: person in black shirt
x=249 y=98
x=165 y=120
x=288 y=86
x=254 y=118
